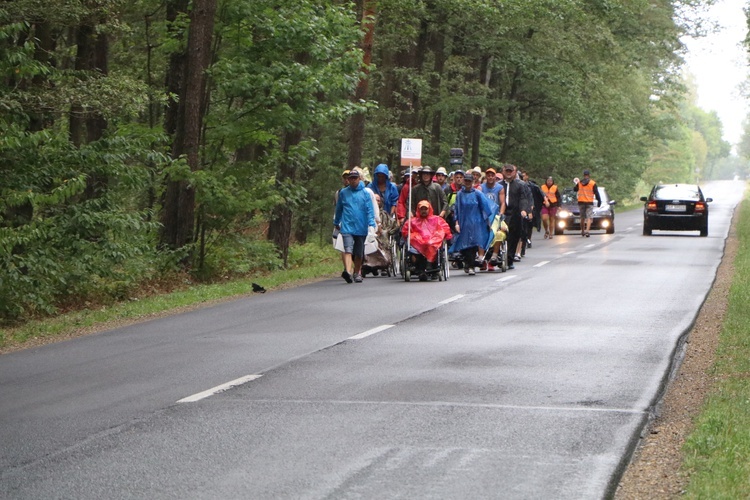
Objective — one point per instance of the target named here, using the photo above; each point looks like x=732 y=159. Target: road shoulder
x=655 y=469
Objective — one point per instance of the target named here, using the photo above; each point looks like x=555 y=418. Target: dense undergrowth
x=172 y=290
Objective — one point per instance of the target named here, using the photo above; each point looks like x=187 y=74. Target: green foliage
x=80 y=253
x=718 y=450
x=555 y=87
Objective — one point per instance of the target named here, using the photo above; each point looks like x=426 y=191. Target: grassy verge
x=322 y=263
x=717 y=453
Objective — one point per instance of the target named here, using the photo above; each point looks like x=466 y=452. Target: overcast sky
x=719 y=65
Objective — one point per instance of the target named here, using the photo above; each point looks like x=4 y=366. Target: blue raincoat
x=354 y=211
x=390 y=195
x=475 y=214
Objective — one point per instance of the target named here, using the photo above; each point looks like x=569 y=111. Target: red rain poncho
x=427 y=233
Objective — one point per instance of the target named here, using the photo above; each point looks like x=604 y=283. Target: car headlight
x=564 y=214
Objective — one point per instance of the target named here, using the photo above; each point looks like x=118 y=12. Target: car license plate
x=577 y=220
x=675 y=208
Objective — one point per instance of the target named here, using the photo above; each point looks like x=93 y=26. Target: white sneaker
x=472 y=272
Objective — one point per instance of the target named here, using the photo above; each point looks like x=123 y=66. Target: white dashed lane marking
x=373 y=331
x=452 y=299
x=507 y=278
x=219 y=388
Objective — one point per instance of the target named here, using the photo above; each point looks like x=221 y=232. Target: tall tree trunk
x=420 y=52
x=176 y=68
x=179 y=203
x=366 y=9
x=42 y=36
x=44 y=47
x=510 y=114
x=515 y=90
x=485 y=72
x=280 y=227
x=92 y=53
x=96 y=124
x=441 y=56
x=84 y=57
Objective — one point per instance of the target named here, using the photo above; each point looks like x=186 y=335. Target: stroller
x=379 y=260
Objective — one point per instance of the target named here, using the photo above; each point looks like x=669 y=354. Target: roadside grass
x=310 y=262
x=717 y=453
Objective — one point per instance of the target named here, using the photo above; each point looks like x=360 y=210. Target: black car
x=676 y=207
x=569 y=217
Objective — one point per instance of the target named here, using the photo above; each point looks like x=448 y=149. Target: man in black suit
x=517 y=207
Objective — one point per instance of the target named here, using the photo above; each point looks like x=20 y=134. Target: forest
x=147 y=137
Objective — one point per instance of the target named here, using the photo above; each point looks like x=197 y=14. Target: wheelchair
x=426 y=271
x=457 y=260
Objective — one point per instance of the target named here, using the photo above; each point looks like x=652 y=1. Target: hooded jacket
x=475 y=214
x=428 y=233
x=390 y=195
x=354 y=211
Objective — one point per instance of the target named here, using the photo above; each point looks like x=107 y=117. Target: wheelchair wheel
x=504 y=255
x=395 y=269
x=445 y=268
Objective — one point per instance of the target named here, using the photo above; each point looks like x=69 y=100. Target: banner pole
x=408 y=212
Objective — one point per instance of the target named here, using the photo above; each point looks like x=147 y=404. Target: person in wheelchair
x=428 y=231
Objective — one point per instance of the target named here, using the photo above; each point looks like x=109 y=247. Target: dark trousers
x=515 y=232
x=469 y=256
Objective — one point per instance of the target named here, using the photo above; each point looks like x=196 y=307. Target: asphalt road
x=533 y=383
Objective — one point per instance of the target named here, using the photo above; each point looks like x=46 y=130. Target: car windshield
x=570 y=197
x=677 y=192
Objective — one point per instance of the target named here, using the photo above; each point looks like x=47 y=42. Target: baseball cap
x=586 y=172
x=490 y=170
x=354 y=173
x=345 y=173
x=459 y=171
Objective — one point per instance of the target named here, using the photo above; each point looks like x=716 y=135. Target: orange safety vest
x=586 y=193
x=550 y=192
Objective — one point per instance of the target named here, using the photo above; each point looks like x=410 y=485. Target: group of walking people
x=475 y=211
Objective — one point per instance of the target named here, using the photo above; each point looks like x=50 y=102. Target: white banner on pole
x=411 y=152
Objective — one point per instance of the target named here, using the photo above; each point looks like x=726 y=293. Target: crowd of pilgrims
x=475 y=211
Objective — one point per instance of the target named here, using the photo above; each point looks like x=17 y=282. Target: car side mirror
x=643 y=198
x=709 y=200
